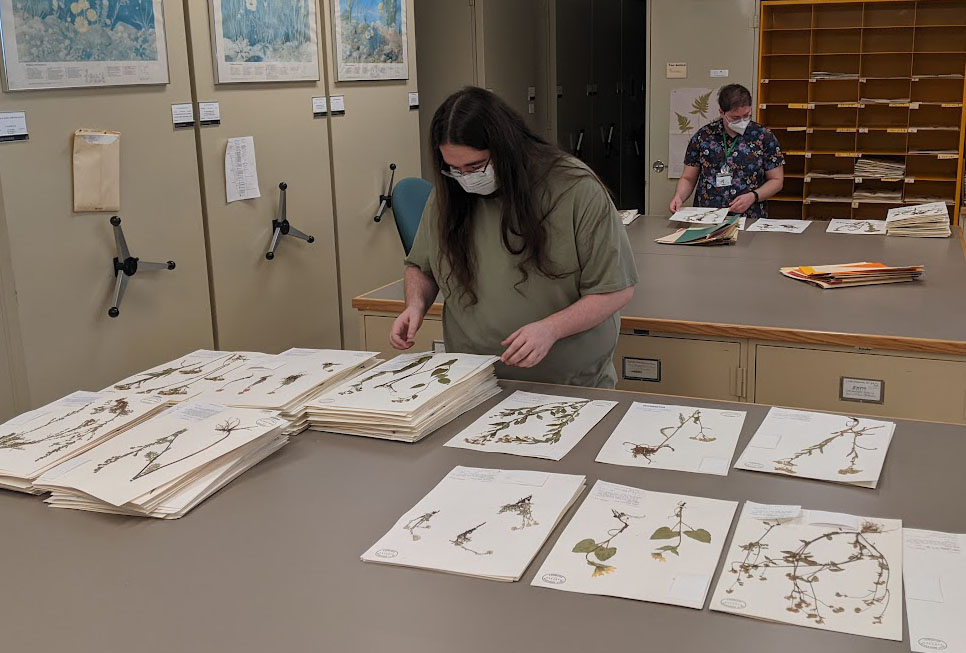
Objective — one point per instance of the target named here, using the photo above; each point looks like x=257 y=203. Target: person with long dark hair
x=526 y=246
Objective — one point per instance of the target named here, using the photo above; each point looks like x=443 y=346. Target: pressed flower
x=601 y=570
x=658 y=557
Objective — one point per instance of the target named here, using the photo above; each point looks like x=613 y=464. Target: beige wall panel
x=378 y=129
x=690 y=368
x=292 y=300
x=446 y=35
x=377 y=328
x=62 y=261
x=915 y=388
x=705 y=35
x=13 y=376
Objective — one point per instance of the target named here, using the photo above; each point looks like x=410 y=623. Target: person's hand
x=741 y=203
x=403 y=333
x=528 y=345
x=676 y=205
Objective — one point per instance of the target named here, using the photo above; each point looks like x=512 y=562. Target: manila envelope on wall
x=97 y=170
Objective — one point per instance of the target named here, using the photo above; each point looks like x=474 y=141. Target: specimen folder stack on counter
x=166 y=466
x=287 y=382
x=35 y=442
x=922 y=221
x=725 y=233
x=853 y=274
x=407 y=397
x=484 y=523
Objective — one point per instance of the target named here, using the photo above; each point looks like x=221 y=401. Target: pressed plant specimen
x=773 y=226
x=287 y=381
x=647 y=451
x=417 y=523
x=854 y=226
x=416 y=370
x=464 y=538
x=100 y=417
x=603 y=550
x=677 y=530
x=854 y=550
x=523 y=508
x=155 y=450
x=260 y=380
x=850 y=432
x=561 y=415
x=184 y=368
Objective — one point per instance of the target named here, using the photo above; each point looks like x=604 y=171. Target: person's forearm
x=769 y=189
x=587 y=312
x=421 y=289
x=684 y=188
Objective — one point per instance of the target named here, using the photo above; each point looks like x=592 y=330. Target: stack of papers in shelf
x=849 y=226
x=484 y=523
x=828 y=174
x=817 y=569
x=41 y=439
x=826 y=447
x=895 y=100
x=924 y=150
x=187 y=376
x=824 y=197
x=934 y=573
x=628 y=216
x=725 y=233
x=700 y=215
x=825 y=74
x=287 y=382
x=922 y=220
x=879 y=195
x=636 y=544
x=871 y=167
x=407 y=397
x=166 y=466
x=853 y=274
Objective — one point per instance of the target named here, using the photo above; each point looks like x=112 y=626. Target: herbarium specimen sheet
x=636 y=544
x=682 y=438
x=818 y=569
x=488 y=523
x=535 y=425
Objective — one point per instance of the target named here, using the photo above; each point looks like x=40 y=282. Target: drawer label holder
x=641 y=369
x=865 y=391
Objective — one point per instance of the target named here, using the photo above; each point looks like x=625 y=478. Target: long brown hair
x=477 y=118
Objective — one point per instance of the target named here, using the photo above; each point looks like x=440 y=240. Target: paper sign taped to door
x=97 y=170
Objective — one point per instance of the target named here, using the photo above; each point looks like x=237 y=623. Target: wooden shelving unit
x=841 y=81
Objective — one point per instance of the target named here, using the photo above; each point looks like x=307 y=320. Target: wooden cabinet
x=841 y=81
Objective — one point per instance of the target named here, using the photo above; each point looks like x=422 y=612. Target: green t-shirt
x=585 y=235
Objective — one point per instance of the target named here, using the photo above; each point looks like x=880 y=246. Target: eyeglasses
x=455 y=173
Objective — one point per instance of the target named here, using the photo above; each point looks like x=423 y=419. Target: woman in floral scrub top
x=732 y=161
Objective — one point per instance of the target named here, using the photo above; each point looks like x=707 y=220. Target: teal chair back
x=408 y=201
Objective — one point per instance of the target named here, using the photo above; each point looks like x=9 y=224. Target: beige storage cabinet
x=908 y=387
x=690 y=367
x=377 y=328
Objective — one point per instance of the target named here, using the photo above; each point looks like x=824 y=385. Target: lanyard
x=728 y=149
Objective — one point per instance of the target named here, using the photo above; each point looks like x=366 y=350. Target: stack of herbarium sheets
x=487 y=523
x=189 y=375
x=922 y=221
x=407 y=397
x=34 y=442
x=167 y=465
x=287 y=382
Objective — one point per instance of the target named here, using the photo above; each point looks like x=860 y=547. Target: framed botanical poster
x=82 y=43
x=371 y=39
x=264 y=40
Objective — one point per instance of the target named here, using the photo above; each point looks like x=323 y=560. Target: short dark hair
x=733 y=96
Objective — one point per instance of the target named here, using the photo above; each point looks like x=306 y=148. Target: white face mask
x=740 y=126
x=482 y=182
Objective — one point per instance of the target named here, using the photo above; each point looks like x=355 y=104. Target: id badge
x=722 y=181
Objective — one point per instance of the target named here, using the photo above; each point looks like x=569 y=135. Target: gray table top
x=271 y=563
x=740 y=286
